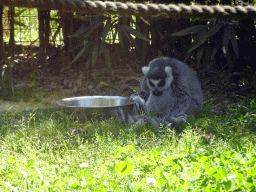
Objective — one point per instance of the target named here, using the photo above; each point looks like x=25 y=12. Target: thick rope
x=139 y=9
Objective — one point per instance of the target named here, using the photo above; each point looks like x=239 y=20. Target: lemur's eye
x=151 y=84
x=161 y=83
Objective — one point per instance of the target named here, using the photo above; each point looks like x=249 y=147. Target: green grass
x=210 y=153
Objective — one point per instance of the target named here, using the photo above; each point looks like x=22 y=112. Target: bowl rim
x=95 y=96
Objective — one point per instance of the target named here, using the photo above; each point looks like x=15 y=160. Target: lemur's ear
x=168 y=70
x=145 y=70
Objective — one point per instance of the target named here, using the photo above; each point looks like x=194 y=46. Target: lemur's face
x=157 y=86
x=158 y=83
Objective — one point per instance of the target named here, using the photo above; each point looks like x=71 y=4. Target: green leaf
x=95 y=50
x=94 y=26
x=129 y=148
x=91 y=181
x=126 y=34
x=175 y=168
x=204 y=182
x=159 y=171
x=30 y=163
x=250 y=186
x=17 y=14
x=234 y=42
x=87 y=30
x=106 y=30
x=135 y=23
x=225 y=40
x=199 y=55
x=252 y=160
x=124 y=168
x=215 y=49
x=120 y=37
x=11 y=160
x=115 y=33
x=244 y=160
x=249 y=179
x=222 y=159
x=81 y=41
x=166 y=162
x=134 y=32
x=189 y=30
x=195 y=47
x=200 y=36
x=160 y=182
x=203 y=159
x=19 y=23
x=222 y=172
x=3 y=71
x=211 y=32
x=212 y=171
x=103 y=83
x=198 y=41
x=238 y=156
x=227 y=185
x=81 y=52
x=94 y=19
x=188 y=55
x=75 y=185
x=80 y=31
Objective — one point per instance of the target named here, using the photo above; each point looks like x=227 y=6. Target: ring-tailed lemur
x=168 y=87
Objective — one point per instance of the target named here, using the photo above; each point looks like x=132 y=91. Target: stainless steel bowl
x=86 y=107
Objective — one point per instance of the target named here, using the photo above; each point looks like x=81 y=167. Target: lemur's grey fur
x=168 y=87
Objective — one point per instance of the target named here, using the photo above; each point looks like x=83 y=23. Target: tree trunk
x=44 y=31
x=11 y=41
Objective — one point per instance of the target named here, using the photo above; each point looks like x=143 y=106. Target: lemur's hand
x=136 y=98
x=138 y=102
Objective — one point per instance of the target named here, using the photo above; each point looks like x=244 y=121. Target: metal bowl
x=87 y=107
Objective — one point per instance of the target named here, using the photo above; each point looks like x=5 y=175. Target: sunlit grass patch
x=52 y=151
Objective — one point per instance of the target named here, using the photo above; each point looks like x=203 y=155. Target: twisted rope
x=139 y=9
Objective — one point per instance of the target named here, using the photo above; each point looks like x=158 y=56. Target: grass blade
x=39 y=174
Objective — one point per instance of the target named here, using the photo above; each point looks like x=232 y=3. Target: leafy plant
x=218 y=33
x=92 y=37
